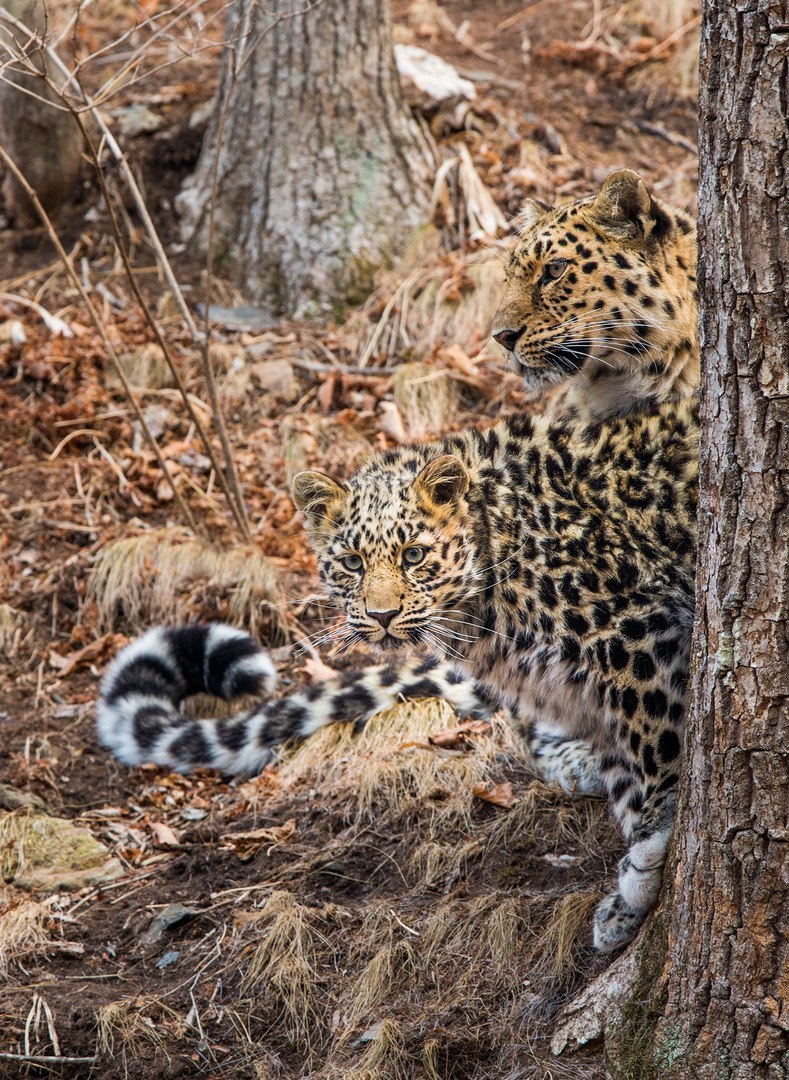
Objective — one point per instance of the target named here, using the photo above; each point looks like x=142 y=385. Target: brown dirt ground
x=454 y=992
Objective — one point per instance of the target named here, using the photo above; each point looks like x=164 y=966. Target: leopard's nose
x=384 y=617
x=507 y=337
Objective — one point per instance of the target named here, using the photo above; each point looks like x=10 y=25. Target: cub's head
x=393 y=545
x=610 y=278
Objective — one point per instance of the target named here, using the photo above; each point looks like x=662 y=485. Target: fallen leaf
x=247 y=844
x=317 y=671
x=460 y=736
x=92 y=651
x=498 y=795
x=460 y=360
x=391 y=422
x=163 y=835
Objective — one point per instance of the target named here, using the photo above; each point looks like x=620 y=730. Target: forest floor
x=406 y=903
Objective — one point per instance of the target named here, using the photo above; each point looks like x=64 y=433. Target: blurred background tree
x=317 y=171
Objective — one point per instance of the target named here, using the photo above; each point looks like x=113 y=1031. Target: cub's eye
x=553 y=270
x=413 y=556
x=354 y=563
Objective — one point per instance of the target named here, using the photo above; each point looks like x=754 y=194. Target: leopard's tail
x=138 y=715
x=139 y=719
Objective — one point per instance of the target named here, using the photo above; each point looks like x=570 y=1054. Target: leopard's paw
x=615 y=924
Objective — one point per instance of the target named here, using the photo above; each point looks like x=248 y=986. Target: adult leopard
x=601 y=297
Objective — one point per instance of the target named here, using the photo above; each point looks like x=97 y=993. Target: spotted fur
x=600 y=296
x=555 y=565
x=647 y=251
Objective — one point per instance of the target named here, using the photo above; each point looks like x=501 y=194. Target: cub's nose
x=508 y=338
x=384 y=617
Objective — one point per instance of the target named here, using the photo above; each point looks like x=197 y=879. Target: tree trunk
x=323 y=173
x=38 y=134
x=727 y=1008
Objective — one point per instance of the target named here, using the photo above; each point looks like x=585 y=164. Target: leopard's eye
x=554 y=270
x=414 y=555
x=354 y=563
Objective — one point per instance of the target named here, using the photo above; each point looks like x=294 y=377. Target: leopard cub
x=554 y=562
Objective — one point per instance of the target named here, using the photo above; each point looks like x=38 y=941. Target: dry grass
x=391 y=765
x=386 y=1056
x=23 y=929
x=383 y=976
x=483 y=937
x=569 y=925
x=445 y=301
x=669 y=15
x=136 y=1028
x=438 y=863
x=675 y=71
x=12 y=631
x=233 y=373
x=162 y=576
x=16 y=832
x=428 y=399
x=145 y=367
x=282 y=970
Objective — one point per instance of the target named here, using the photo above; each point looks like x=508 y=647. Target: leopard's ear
x=315 y=493
x=625 y=208
x=530 y=213
x=443 y=481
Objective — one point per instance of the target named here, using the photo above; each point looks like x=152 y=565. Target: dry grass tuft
x=384 y=974
x=449 y=301
x=12 y=631
x=484 y=934
x=145 y=367
x=233 y=373
x=283 y=967
x=677 y=69
x=386 y=1056
x=428 y=399
x=391 y=765
x=162 y=576
x=136 y=1028
x=669 y=15
x=16 y=832
x=567 y=928
x=438 y=863
x=23 y=930
x=432 y=1060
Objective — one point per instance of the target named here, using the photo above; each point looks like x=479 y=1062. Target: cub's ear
x=625 y=207
x=443 y=481
x=530 y=213
x=313 y=493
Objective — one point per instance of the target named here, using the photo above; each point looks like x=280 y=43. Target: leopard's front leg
x=641 y=780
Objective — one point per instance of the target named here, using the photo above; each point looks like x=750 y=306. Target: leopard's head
x=607 y=283
x=394 y=547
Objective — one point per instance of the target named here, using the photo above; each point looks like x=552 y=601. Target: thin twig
x=100 y=330
x=145 y=308
x=342 y=369
x=228 y=477
x=48 y=1059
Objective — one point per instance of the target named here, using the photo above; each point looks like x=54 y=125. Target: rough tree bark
x=727 y=1009
x=323 y=173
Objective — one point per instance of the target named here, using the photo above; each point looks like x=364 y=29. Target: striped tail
x=138 y=715
x=139 y=720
